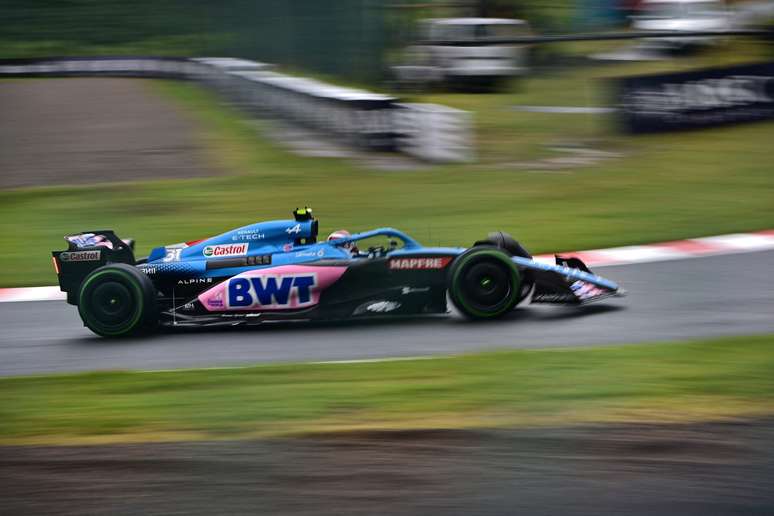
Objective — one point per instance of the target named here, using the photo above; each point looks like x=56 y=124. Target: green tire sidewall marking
x=140 y=301
x=456 y=287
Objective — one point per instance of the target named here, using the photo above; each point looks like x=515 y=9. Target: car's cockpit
x=369 y=244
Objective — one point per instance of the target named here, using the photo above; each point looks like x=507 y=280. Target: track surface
x=701 y=297
x=635 y=470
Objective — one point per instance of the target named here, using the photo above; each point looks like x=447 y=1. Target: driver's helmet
x=343 y=233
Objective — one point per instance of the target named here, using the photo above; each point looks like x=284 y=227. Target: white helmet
x=343 y=233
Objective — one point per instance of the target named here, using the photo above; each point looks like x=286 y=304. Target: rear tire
x=484 y=283
x=117 y=300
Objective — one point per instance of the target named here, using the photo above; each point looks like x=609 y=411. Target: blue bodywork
x=280 y=240
x=277 y=271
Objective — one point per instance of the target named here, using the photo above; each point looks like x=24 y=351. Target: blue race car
x=278 y=271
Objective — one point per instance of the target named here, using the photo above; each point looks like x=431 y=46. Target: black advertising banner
x=702 y=98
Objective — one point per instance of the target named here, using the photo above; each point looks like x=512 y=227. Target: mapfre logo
x=419 y=263
x=223 y=250
x=271 y=291
x=81 y=256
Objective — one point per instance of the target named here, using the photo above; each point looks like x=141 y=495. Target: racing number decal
x=173 y=255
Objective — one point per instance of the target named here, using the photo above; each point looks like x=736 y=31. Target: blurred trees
x=348 y=38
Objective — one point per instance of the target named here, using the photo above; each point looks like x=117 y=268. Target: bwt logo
x=271 y=291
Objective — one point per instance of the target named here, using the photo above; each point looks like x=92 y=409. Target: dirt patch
x=77 y=131
x=629 y=469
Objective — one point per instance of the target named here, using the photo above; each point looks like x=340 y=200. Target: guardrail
x=367 y=120
x=363 y=118
x=435 y=133
x=130 y=66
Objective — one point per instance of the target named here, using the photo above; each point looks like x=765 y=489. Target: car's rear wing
x=85 y=252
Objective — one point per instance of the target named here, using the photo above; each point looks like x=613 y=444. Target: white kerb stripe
x=740 y=241
x=31 y=294
x=639 y=254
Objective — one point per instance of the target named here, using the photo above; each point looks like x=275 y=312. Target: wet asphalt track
x=700 y=297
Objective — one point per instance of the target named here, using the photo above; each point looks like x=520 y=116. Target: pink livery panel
x=287 y=287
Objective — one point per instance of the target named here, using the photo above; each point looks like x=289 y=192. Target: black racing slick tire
x=509 y=244
x=484 y=283
x=118 y=300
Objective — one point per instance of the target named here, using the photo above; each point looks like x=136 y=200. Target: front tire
x=118 y=300
x=509 y=244
x=484 y=283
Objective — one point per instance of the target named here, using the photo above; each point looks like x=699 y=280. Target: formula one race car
x=278 y=271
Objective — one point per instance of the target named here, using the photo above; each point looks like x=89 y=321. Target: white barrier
x=360 y=117
x=434 y=133
x=364 y=119
x=217 y=72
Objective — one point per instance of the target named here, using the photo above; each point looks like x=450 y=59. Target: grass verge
x=671 y=382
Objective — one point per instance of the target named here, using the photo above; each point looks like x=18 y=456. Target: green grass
x=671 y=382
x=662 y=187
x=505 y=135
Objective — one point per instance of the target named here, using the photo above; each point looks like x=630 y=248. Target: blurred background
x=356 y=40
x=571 y=124
x=461 y=113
